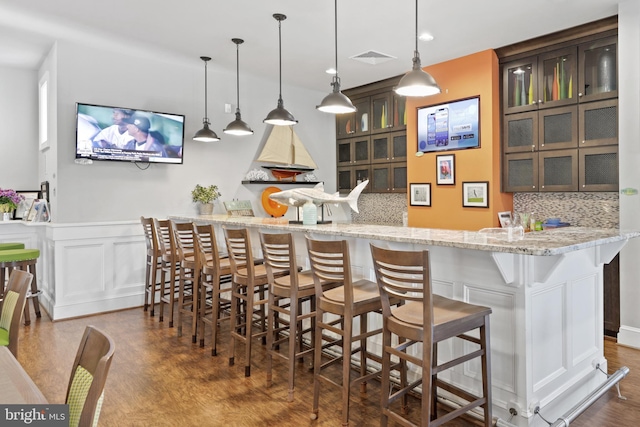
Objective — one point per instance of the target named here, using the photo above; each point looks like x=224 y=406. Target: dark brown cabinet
x=560 y=119
x=372 y=142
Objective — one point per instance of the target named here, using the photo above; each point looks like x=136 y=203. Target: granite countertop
x=543 y=243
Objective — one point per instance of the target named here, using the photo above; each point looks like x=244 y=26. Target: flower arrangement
x=9 y=200
x=205 y=194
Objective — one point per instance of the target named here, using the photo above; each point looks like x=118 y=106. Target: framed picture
x=29 y=196
x=445 y=170
x=39 y=211
x=44 y=191
x=420 y=194
x=475 y=194
x=505 y=219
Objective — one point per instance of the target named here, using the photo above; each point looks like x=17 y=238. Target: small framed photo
x=39 y=211
x=29 y=196
x=445 y=170
x=44 y=191
x=505 y=219
x=420 y=194
x=475 y=194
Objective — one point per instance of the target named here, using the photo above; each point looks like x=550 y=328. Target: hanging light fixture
x=238 y=127
x=205 y=134
x=417 y=82
x=280 y=116
x=336 y=102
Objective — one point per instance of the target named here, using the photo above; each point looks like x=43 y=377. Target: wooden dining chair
x=153 y=265
x=184 y=244
x=290 y=290
x=426 y=319
x=12 y=308
x=85 y=392
x=330 y=262
x=215 y=282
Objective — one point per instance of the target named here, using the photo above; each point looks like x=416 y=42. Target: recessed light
x=331 y=71
x=426 y=37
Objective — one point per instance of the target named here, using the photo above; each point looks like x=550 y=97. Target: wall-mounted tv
x=126 y=134
x=451 y=126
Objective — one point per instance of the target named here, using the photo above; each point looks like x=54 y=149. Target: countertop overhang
x=550 y=242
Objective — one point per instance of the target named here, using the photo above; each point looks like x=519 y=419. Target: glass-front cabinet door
x=381 y=113
x=345 y=125
x=362 y=120
x=520 y=86
x=598 y=71
x=557 y=78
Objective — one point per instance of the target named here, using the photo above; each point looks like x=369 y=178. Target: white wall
x=111 y=191
x=19 y=129
x=629 y=155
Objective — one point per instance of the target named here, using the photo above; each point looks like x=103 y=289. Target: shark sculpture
x=300 y=196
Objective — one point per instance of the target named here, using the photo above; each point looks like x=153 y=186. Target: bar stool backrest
x=405 y=276
x=13 y=306
x=150 y=237
x=240 y=254
x=330 y=262
x=183 y=239
x=279 y=257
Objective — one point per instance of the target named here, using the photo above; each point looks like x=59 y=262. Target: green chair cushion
x=11 y=245
x=9 y=305
x=4 y=337
x=19 y=255
x=80 y=385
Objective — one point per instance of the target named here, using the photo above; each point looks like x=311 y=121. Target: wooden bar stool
x=248 y=280
x=330 y=262
x=22 y=259
x=286 y=297
x=153 y=266
x=215 y=280
x=184 y=244
x=426 y=319
x=170 y=267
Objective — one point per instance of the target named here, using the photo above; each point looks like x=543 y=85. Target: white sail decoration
x=284 y=147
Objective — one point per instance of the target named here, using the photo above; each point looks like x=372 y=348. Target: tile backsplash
x=588 y=209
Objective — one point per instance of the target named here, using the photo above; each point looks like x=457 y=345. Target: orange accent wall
x=471 y=75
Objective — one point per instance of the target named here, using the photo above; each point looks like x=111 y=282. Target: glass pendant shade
x=279 y=116
x=336 y=102
x=238 y=127
x=417 y=82
x=205 y=134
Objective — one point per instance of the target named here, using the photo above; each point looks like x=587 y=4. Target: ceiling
x=189 y=29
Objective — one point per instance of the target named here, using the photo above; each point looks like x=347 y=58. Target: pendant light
x=238 y=127
x=280 y=116
x=205 y=134
x=417 y=82
x=336 y=102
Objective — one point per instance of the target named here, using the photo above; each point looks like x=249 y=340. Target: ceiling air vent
x=372 y=57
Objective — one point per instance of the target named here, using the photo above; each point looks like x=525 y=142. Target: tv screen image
x=126 y=134
x=451 y=126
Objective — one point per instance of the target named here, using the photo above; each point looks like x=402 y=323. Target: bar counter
x=545 y=290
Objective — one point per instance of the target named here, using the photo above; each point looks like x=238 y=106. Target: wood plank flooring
x=158 y=379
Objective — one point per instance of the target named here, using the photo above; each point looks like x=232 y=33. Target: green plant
x=205 y=194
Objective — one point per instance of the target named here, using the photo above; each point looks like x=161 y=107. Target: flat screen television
x=125 y=134
x=451 y=126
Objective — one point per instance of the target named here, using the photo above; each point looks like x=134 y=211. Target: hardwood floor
x=158 y=379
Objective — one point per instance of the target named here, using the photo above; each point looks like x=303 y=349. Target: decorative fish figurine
x=317 y=195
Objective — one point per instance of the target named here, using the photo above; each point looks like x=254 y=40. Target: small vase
x=6 y=216
x=205 y=208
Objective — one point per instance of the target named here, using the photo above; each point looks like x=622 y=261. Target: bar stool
x=12 y=308
x=286 y=296
x=330 y=262
x=426 y=319
x=153 y=265
x=184 y=244
x=22 y=259
x=170 y=267
x=248 y=280
x=215 y=272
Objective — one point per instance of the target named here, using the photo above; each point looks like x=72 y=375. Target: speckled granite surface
x=380 y=208
x=588 y=209
x=545 y=243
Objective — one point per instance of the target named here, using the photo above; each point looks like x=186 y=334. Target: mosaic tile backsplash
x=588 y=209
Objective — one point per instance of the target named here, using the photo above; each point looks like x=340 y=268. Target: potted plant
x=205 y=196
x=9 y=201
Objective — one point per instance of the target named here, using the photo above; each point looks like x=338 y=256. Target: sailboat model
x=284 y=148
